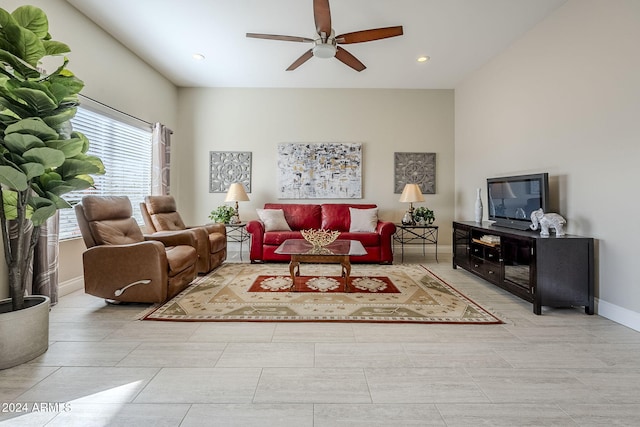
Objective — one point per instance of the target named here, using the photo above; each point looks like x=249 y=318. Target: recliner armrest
x=212 y=228
x=173 y=238
x=108 y=268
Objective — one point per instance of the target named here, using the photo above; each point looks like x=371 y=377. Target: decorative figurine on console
x=546 y=221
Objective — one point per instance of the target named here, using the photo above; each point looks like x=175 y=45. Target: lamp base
x=407 y=219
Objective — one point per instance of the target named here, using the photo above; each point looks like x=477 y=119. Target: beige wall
x=256 y=120
x=113 y=76
x=566 y=99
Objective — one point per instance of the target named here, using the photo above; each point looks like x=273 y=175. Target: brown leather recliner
x=122 y=264
x=160 y=214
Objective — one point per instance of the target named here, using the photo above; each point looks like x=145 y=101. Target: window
x=124 y=145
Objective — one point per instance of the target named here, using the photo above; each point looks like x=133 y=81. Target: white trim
x=71 y=285
x=618 y=314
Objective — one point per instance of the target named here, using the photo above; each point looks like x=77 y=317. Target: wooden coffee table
x=337 y=252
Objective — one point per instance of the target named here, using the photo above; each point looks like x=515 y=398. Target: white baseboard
x=71 y=285
x=618 y=314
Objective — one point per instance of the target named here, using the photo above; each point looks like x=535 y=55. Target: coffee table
x=337 y=252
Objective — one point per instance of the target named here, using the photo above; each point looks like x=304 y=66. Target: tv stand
x=547 y=271
x=516 y=225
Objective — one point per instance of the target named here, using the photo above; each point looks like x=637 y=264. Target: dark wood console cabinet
x=547 y=271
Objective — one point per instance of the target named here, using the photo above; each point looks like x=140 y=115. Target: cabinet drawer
x=492 y=254
x=489 y=270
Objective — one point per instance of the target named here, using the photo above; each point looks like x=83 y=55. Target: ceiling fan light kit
x=324 y=50
x=326 y=43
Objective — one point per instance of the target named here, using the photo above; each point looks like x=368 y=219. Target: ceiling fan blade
x=279 y=37
x=369 y=35
x=322 y=17
x=298 y=62
x=348 y=59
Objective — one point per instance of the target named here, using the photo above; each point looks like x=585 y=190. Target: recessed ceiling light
x=423 y=58
x=198 y=56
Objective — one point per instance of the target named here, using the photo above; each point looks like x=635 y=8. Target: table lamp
x=236 y=194
x=411 y=193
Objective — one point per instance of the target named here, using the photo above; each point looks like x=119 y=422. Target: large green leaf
x=7 y=120
x=48 y=157
x=85 y=140
x=33 y=19
x=70 y=147
x=58 y=118
x=6 y=18
x=81 y=165
x=49 y=176
x=10 y=203
x=39 y=102
x=59 y=187
x=17 y=108
x=59 y=201
x=20 y=67
x=25 y=44
x=79 y=183
x=33 y=126
x=32 y=170
x=12 y=178
x=42 y=214
x=55 y=48
x=18 y=142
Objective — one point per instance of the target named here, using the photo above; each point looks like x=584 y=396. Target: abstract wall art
x=227 y=167
x=320 y=171
x=415 y=168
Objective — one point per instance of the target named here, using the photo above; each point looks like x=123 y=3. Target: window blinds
x=124 y=145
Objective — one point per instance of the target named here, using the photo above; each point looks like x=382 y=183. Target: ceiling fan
x=326 y=44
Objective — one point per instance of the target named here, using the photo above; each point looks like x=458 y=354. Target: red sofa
x=329 y=216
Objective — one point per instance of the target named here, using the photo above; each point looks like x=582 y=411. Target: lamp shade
x=236 y=193
x=411 y=193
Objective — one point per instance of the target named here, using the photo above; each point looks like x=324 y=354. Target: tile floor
x=105 y=368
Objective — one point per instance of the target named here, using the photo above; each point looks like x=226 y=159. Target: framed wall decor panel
x=227 y=167
x=319 y=171
x=415 y=168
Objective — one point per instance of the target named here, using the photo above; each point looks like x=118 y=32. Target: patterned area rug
x=366 y=284
x=237 y=292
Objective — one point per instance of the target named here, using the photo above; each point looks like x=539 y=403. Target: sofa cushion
x=299 y=216
x=277 y=237
x=367 y=239
x=335 y=216
x=273 y=219
x=363 y=220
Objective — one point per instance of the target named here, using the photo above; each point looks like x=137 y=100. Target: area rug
x=366 y=284
x=237 y=292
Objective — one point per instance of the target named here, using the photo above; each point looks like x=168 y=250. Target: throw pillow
x=363 y=220
x=273 y=219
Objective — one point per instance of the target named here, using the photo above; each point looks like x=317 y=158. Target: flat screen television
x=513 y=198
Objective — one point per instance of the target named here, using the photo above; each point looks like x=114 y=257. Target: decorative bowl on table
x=320 y=238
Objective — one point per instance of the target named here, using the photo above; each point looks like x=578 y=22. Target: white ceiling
x=458 y=35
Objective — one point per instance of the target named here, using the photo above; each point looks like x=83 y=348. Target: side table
x=237 y=233
x=416 y=234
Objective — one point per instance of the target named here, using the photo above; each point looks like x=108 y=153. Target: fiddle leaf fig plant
x=41 y=157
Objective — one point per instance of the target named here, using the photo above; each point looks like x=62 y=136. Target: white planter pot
x=24 y=334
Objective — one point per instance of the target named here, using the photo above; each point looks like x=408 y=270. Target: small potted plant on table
x=222 y=214
x=423 y=216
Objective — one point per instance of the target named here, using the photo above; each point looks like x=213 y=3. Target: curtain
x=43 y=272
x=161 y=160
x=45 y=260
